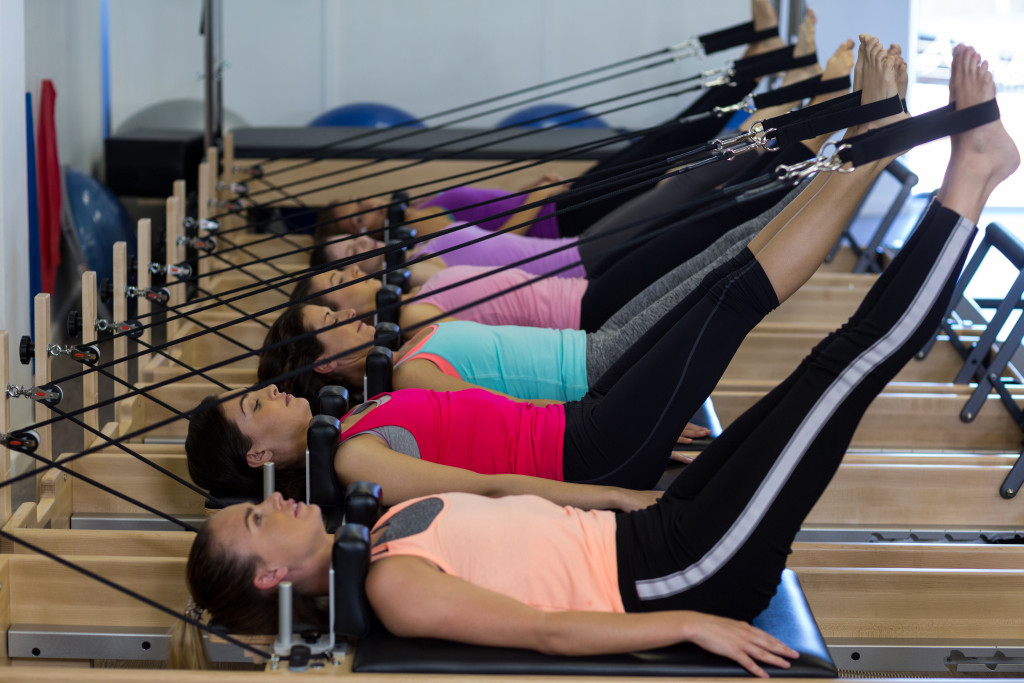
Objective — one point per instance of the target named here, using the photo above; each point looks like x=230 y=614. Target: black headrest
x=332 y=400
x=351 y=559
x=388 y=299
x=378 y=371
x=388 y=335
x=322 y=442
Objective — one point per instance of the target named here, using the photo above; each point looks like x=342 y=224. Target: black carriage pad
x=442 y=143
x=787 y=617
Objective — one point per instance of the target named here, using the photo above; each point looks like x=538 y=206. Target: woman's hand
x=740 y=642
x=638 y=500
x=691 y=432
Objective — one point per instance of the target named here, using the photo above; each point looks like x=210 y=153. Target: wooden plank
x=907 y=556
x=44 y=592
x=898 y=420
x=68 y=542
x=90 y=381
x=120 y=313
x=134 y=478
x=915 y=603
x=143 y=281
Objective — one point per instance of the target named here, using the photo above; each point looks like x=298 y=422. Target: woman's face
x=371 y=215
x=348 y=247
x=339 y=339
x=279 y=532
x=361 y=297
x=275 y=422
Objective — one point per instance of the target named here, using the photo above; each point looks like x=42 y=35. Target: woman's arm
x=367 y=458
x=414 y=599
x=420 y=373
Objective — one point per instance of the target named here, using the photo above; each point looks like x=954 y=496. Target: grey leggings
x=631 y=321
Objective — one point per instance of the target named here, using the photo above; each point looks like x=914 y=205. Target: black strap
x=740 y=34
x=829 y=122
x=903 y=135
x=770 y=62
x=800 y=90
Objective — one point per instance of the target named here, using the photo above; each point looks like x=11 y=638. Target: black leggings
x=717 y=541
x=623 y=429
x=668 y=139
x=615 y=277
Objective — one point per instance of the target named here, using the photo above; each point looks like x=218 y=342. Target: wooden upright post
x=41 y=337
x=90 y=381
x=143 y=280
x=5 y=426
x=120 y=313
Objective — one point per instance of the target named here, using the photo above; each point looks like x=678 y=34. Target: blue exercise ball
x=549 y=115
x=367 y=115
x=99 y=220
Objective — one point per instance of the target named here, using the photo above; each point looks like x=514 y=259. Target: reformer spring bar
x=290 y=374
x=759 y=66
x=433 y=157
x=826 y=163
x=700 y=46
x=652 y=168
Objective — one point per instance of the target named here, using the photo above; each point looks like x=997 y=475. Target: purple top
x=505 y=249
x=454 y=199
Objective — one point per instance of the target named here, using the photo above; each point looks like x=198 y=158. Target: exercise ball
x=99 y=220
x=367 y=115
x=549 y=115
x=183 y=114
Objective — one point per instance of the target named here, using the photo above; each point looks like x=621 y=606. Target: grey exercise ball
x=183 y=114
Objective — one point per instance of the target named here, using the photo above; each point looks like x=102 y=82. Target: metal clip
x=178 y=270
x=232 y=205
x=206 y=244
x=823 y=162
x=747 y=105
x=724 y=79
x=160 y=296
x=47 y=394
x=691 y=47
x=130 y=328
x=201 y=224
x=237 y=188
x=255 y=171
x=25 y=440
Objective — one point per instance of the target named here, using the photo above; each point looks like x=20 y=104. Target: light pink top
x=550 y=557
x=552 y=302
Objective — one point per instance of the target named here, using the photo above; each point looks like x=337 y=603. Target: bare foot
x=879 y=76
x=858 y=72
x=804 y=46
x=902 y=80
x=764 y=18
x=981 y=157
x=838 y=65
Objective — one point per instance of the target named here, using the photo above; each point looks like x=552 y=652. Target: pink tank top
x=550 y=557
x=474 y=429
x=552 y=302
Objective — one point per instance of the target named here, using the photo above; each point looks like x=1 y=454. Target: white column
x=14 y=281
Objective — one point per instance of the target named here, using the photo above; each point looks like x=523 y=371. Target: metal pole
x=213 y=68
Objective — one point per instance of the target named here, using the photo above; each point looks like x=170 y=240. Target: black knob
x=106 y=290
x=74 y=324
x=26 y=350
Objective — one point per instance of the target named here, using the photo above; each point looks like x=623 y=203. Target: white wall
x=62 y=43
x=291 y=60
x=14 y=313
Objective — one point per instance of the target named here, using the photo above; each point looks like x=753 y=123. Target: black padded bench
x=788 y=618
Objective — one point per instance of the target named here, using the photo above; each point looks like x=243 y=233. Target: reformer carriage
x=846 y=584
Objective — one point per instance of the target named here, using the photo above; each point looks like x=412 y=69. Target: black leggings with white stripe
x=718 y=540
